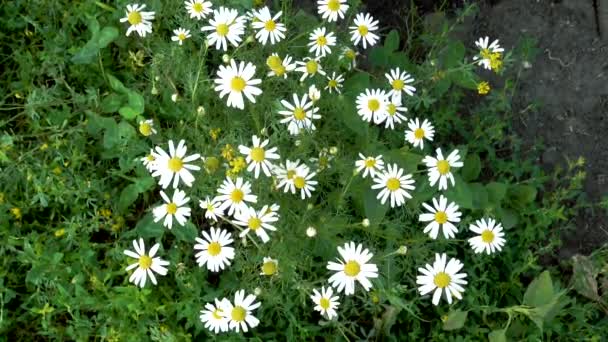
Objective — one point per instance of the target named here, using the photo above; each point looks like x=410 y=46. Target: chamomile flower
x=440 y=169
x=303 y=181
x=394 y=185
x=212 y=208
x=314 y=94
x=269 y=267
x=174 y=165
x=139 y=20
x=325 y=302
x=490 y=238
x=235 y=195
x=285 y=174
x=258 y=222
x=239 y=313
x=146 y=128
x=417 y=133
x=372 y=105
x=213 y=317
x=321 y=42
x=236 y=81
x=173 y=208
x=364 y=29
x=369 y=165
x=442 y=278
x=393 y=114
x=268 y=26
x=299 y=115
x=441 y=217
x=352 y=267
x=180 y=35
x=149 y=161
x=226 y=26
x=350 y=55
x=309 y=67
x=147 y=264
x=487 y=52
x=280 y=67
x=198 y=8
x=332 y=9
x=334 y=83
x=400 y=82
x=215 y=250
x=258 y=156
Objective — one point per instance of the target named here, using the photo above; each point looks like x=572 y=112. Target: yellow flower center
x=279 y=71
x=324 y=303
x=237 y=195
x=312 y=67
x=216 y=314
x=370 y=163
x=393 y=184
x=487 y=236
x=441 y=217
x=197 y=7
x=270 y=25
x=222 y=30
x=332 y=84
x=171 y=208
x=363 y=30
x=181 y=36
x=214 y=248
x=150 y=158
x=352 y=268
x=175 y=164
x=238 y=84
x=257 y=154
x=145 y=262
x=486 y=54
x=391 y=109
x=274 y=61
x=238 y=314
x=419 y=133
x=210 y=207
x=254 y=223
x=443 y=167
x=442 y=280
x=145 y=129
x=299 y=113
x=134 y=18
x=398 y=84
x=321 y=41
x=269 y=268
x=373 y=105
x=299 y=182
x=290 y=174
x=333 y=5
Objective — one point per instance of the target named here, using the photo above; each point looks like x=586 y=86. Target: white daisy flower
x=239 y=313
x=215 y=251
x=321 y=42
x=372 y=105
x=268 y=26
x=303 y=181
x=334 y=83
x=417 y=132
x=442 y=278
x=399 y=82
x=314 y=94
x=198 y=8
x=490 y=238
x=280 y=67
x=351 y=56
x=258 y=156
x=325 y=302
x=258 y=222
x=146 y=128
x=235 y=196
x=146 y=264
x=369 y=165
x=149 y=161
x=299 y=116
x=332 y=9
x=173 y=208
x=364 y=29
x=213 y=317
x=174 y=165
x=269 y=267
x=237 y=81
x=486 y=50
x=309 y=67
x=353 y=266
x=441 y=216
x=394 y=185
x=180 y=35
x=393 y=114
x=286 y=173
x=226 y=26
x=139 y=20
x=212 y=208
x=440 y=169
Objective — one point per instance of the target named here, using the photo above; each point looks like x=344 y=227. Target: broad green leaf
x=391 y=43
x=472 y=168
x=136 y=102
x=125 y=131
x=521 y=194
x=111 y=136
x=507 y=217
x=452 y=55
x=144 y=184
x=378 y=57
x=107 y=35
x=455 y=320
x=347 y=113
x=496 y=192
x=464 y=78
x=128 y=195
x=407 y=159
x=96 y=123
x=111 y=103
x=540 y=291
x=480 y=195
x=116 y=84
x=187 y=233
x=128 y=112
x=498 y=336
x=147 y=228
x=374 y=211
x=353 y=86
x=461 y=194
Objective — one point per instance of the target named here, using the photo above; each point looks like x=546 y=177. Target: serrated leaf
x=128 y=195
x=455 y=320
x=540 y=291
x=391 y=43
x=472 y=168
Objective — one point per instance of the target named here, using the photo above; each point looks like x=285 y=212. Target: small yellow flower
x=215 y=133
x=16 y=213
x=105 y=212
x=59 y=232
x=483 y=88
x=44 y=146
x=238 y=164
x=57 y=170
x=228 y=152
x=496 y=61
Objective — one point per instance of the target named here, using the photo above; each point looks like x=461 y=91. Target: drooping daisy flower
x=180 y=35
x=213 y=318
x=268 y=26
x=369 y=165
x=393 y=114
x=417 y=133
x=441 y=216
x=173 y=208
x=237 y=81
x=351 y=56
x=487 y=52
x=364 y=29
x=149 y=161
x=442 y=278
x=400 y=82
x=332 y=9
x=226 y=26
x=490 y=238
x=372 y=105
x=286 y=173
x=215 y=251
x=239 y=313
x=198 y=8
x=309 y=67
x=280 y=67
x=440 y=169
x=394 y=185
x=258 y=156
x=174 y=165
x=353 y=266
x=269 y=267
x=146 y=128
x=212 y=208
x=303 y=181
x=235 y=196
x=146 y=264
x=314 y=94
x=299 y=116
x=258 y=222
x=334 y=83
x=139 y=20
x=325 y=302
x=321 y=42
